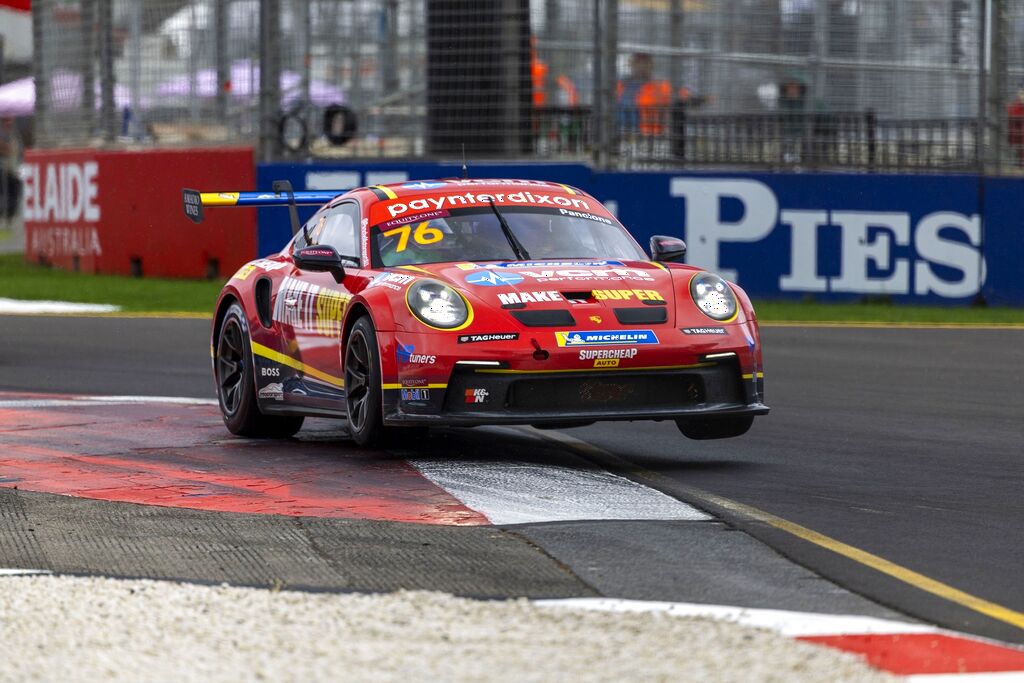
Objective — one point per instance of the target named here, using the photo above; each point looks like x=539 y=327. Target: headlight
x=438 y=305
x=713 y=296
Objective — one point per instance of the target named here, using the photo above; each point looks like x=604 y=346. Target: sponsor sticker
x=512 y=298
x=555 y=264
x=244 y=272
x=274 y=390
x=627 y=295
x=395 y=281
x=310 y=307
x=490 y=337
x=606 y=338
x=407 y=354
x=581 y=214
x=456 y=200
x=596 y=319
x=598 y=354
x=415 y=394
x=477 y=395
x=424 y=185
x=606 y=362
x=405 y=220
x=270 y=372
x=490 y=278
x=702 y=330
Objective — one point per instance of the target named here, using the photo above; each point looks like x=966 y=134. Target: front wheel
x=362 y=384
x=701 y=428
x=236 y=384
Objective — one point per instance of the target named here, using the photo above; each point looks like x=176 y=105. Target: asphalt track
x=891 y=465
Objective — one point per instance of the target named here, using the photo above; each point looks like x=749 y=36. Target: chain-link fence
x=859 y=84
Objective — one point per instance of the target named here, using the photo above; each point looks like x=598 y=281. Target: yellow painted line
x=387 y=191
x=187 y=315
x=750 y=375
x=870 y=560
x=541 y=372
x=891 y=325
x=422 y=386
x=277 y=357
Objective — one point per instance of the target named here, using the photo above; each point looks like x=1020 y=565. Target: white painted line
x=22 y=306
x=23 y=572
x=788 y=623
x=508 y=492
x=103 y=401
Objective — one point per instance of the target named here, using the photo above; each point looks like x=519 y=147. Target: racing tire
x=703 y=428
x=236 y=384
x=363 y=402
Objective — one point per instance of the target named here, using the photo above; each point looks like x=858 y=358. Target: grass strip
x=21 y=280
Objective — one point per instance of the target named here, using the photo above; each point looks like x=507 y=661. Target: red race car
x=472 y=302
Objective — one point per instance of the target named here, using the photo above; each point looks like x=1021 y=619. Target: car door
x=314 y=305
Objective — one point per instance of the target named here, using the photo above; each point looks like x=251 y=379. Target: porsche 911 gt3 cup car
x=476 y=302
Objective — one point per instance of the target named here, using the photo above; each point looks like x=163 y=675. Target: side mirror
x=667 y=249
x=320 y=259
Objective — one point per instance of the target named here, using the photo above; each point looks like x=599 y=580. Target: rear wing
x=194 y=200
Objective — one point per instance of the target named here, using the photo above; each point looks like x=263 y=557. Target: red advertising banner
x=120 y=212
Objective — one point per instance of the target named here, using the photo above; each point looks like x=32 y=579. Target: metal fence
x=855 y=84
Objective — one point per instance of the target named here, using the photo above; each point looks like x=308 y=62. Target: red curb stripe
x=179 y=456
x=926 y=653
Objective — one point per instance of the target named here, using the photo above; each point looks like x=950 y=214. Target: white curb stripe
x=788 y=623
x=22 y=306
x=509 y=492
x=102 y=400
x=23 y=572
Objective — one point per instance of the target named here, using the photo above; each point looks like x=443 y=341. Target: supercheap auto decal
x=310 y=307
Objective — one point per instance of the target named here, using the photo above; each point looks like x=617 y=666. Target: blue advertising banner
x=923 y=238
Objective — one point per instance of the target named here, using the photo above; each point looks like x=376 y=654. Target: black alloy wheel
x=236 y=383
x=362 y=384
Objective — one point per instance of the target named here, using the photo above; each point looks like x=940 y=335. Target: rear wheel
x=702 y=428
x=362 y=384
x=236 y=384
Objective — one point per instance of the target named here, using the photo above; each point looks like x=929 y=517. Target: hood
x=555 y=283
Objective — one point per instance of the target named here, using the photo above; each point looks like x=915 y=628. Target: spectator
x=10 y=162
x=643 y=102
x=1015 y=124
x=793 y=111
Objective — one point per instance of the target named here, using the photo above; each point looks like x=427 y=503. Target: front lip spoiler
x=504 y=418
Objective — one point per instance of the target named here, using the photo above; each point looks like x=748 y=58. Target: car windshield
x=476 y=235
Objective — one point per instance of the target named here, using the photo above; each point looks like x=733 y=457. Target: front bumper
x=482 y=396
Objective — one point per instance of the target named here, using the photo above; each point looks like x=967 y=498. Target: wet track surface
x=902 y=443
